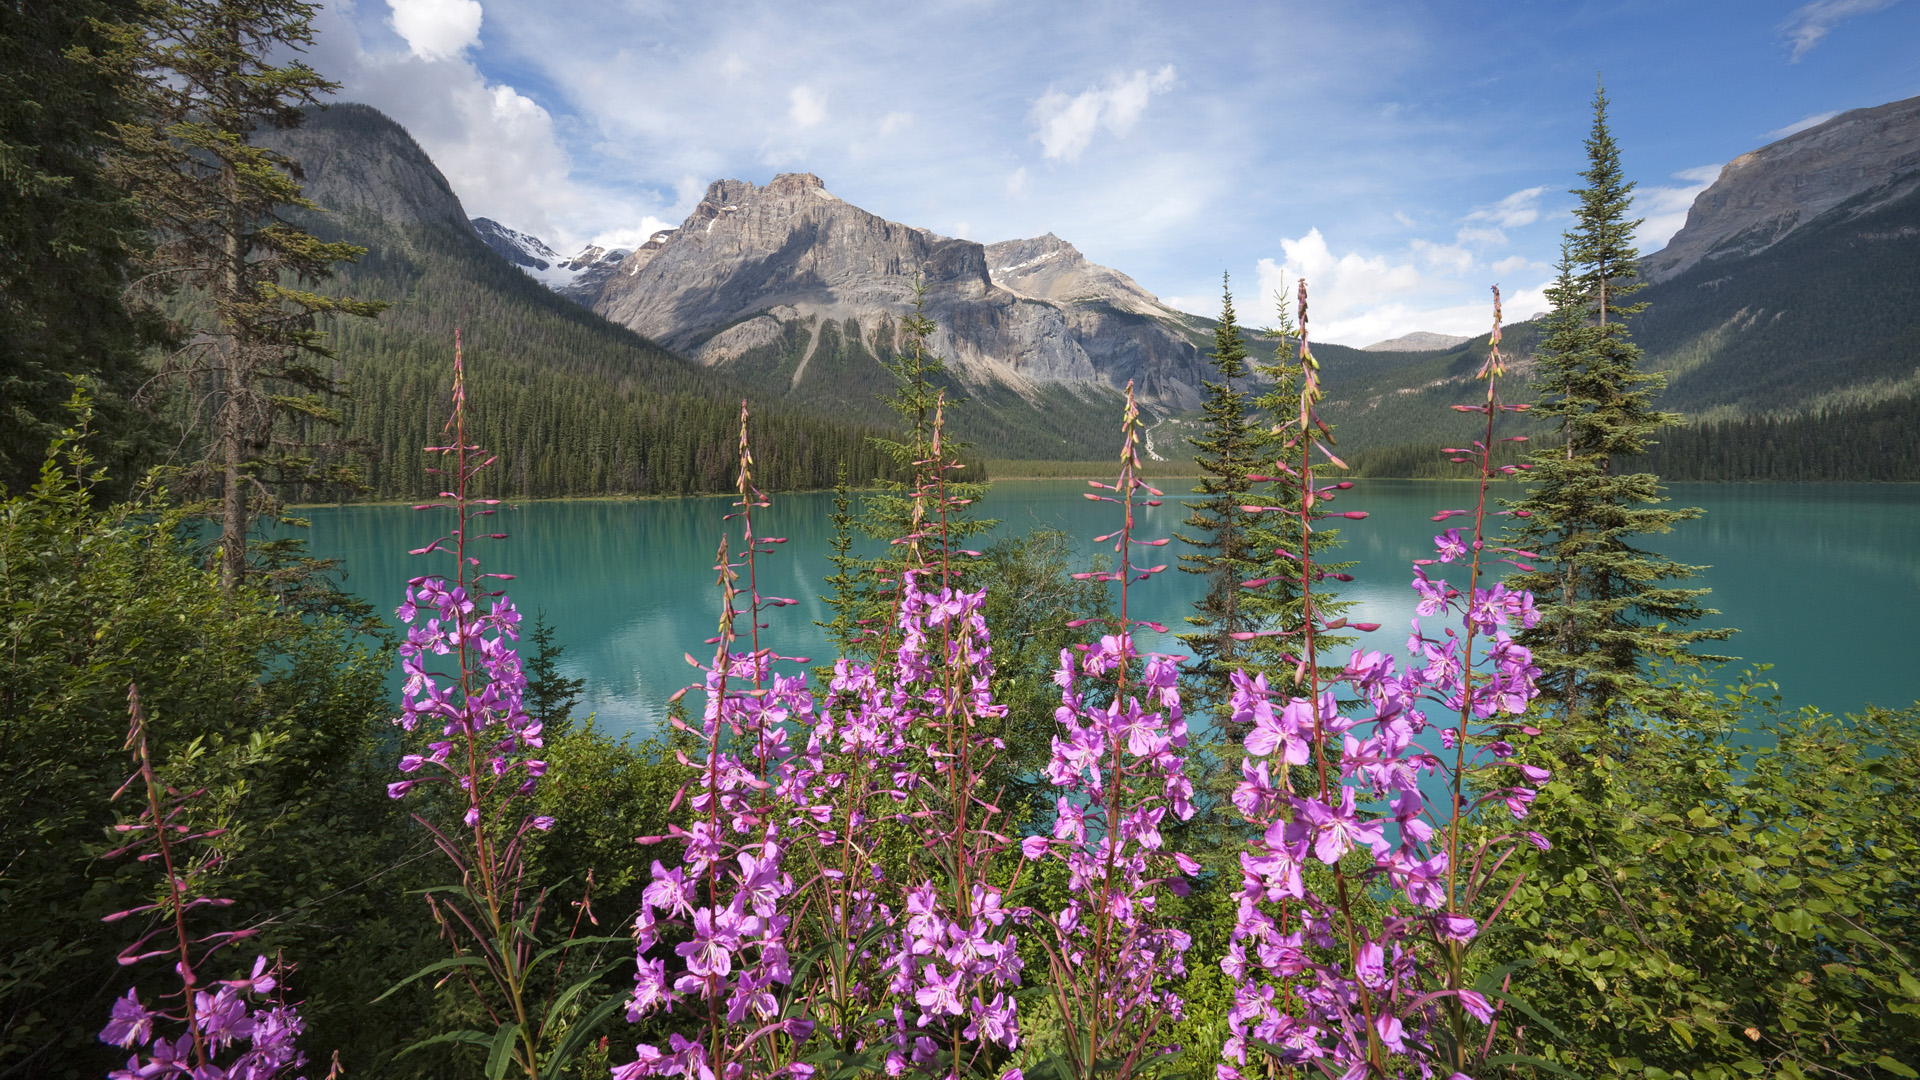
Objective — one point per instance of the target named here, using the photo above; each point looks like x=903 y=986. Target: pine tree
x=218 y=203
x=1605 y=603
x=925 y=520
x=1272 y=539
x=1226 y=452
x=68 y=236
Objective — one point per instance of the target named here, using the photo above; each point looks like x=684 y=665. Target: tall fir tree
x=1278 y=601
x=1607 y=604
x=69 y=236
x=255 y=373
x=1226 y=452
x=924 y=520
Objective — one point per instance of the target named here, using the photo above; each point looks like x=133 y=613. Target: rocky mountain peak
x=753 y=264
x=1048 y=268
x=524 y=250
x=1762 y=196
x=355 y=157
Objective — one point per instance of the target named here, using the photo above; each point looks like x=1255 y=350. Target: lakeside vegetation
x=990 y=840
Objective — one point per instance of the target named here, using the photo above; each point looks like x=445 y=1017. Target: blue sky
x=1402 y=155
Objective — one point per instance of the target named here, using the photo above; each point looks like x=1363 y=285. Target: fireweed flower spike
x=728 y=890
x=1351 y=998
x=1119 y=766
x=464 y=693
x=242 y=1020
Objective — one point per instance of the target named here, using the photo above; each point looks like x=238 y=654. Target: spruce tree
x=68 y=236
x=1225 y=451
x=924 y=520
x=1272 y=539
x=1606 y=603
x=219 y=205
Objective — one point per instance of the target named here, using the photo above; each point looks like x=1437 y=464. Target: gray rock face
x=750 y=261
x=1418 y=341
x=521 y=249
x=354 y=157
x=1761 y=197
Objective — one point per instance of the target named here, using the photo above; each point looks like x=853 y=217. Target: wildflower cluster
x=917 y=976
x=488 y=739
x=1329 y=990
x=217 y=1017
x=1121 y=775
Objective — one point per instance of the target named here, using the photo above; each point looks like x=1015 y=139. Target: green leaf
x=1532 y=1061
x=1894 y=1067
x=468 y=1036
x=579 y=1032
x=1506 y=998
x=500 y=1055
x=431 y=969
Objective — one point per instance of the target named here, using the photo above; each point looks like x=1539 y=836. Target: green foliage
x=1726 y=897
x=924 y=521
x=68 y=235
x=1879 y=441
x=550 y=696
x=271 y=714
x=215 y=73
x=1226 y=450
x=1605 y=603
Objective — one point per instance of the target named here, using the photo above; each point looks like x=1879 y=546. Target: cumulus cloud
x=1066 y=125
x=436 y=29
x=1802 y=124
x=806 y=107
x=1520 y=208
x=499 y=148
x=1663 y=208
x=1806 y=26
x=1357 y=299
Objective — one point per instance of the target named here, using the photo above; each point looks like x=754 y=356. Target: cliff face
x=753 y=266
x=354 y=157
x=1761 y=197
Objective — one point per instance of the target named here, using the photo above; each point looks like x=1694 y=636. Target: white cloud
x=806 y=107
x=1357 y=300
x=895 y=121
x=1444 y=256
x=1066 y=125
x=1801 y=124
x=1514 y=263
x=1664 y=208
x=1017 y=183
x=1480 y=236
x=1520 y=208
x=436 y=29
x=1806 y=26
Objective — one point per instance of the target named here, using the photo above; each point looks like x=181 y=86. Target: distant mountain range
x=1793 y=286
x=572 y=404
x=801 y=294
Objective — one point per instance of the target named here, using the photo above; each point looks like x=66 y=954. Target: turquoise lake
x=1823 y=581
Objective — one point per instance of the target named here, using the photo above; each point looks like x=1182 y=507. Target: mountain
x=521 y=249
x=1419 y=341
x=1791 y=291
x=572 y=404
x=800 y=294
x=1795 y=283
x=1763 y=197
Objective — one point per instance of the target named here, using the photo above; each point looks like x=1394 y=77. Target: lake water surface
x=1823 y=581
